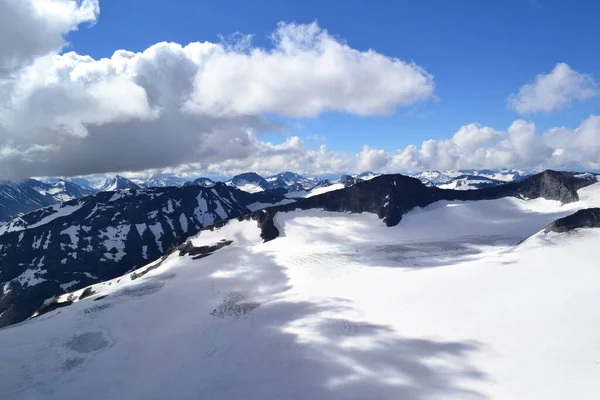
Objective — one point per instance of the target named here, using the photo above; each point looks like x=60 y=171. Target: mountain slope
x=444 y=305
x=292 y=181
x=249 y=182
x=17 y=198
x=80 y=242
x=162 y=181
x=119 y=183
x=61 y=190
x=205 y=182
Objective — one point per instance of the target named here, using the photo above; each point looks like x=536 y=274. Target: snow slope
x=444 y=305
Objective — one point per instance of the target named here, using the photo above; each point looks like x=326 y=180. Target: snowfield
x=445 y=305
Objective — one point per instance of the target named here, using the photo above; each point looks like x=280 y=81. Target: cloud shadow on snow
x=305 y=350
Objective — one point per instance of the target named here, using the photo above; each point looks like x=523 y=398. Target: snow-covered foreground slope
x=444 y=305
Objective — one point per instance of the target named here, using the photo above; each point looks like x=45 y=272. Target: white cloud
x=308 y=72
x=473 y=146
x=553 y=91
x=70 y=114
x=371 y=159
x=31 y=28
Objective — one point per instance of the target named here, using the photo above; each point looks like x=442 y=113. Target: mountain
x=434 y=178
x=291 y=181
x=204 y=182
x=470 y=182
x=506 y=175
x=79 y=242
x=349 y=180
x=365 y=176
x=437 y=178
x=118 y=183
x=161 y=181
x=61 y=190
x=585 y=218
x=17 y=198
x=391 y=196
x=312 y=303
x=250 y=182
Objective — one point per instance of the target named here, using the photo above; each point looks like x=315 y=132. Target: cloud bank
x=473 y=146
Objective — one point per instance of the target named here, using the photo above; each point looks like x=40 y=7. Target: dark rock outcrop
x=586 y=218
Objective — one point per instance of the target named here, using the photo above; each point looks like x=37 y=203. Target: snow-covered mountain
x=17 y=198
x=118 y=183
x=249 y=182
x=61 y=190
x=291 y=181
x=252 y=182
x=497 y=176
x=21 y=197
x=367 y=175
x=321 y=300
x=160 y=181
x=470 y=182
x=89 y=240
x=204 y=182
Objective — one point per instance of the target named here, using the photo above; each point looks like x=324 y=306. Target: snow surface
x=247 y=186
x=463 y=184
x=59 y=210
x=321 y=190
x=445 y=305
x=314 y=192
x=114 y=241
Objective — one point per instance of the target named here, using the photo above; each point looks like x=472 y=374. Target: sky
x=217 y=88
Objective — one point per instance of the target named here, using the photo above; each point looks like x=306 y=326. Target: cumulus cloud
x=520 y=146
x=31 y=28
x=308 y=72
x=473 y=146
x=69 y=114
x=553 y=91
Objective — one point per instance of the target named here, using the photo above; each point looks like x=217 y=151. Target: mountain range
x=84 y=241
x=21 y=197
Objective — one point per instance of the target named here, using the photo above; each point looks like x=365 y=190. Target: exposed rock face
x=72 y=245
x=17 y=198
x=349 y=180
x=587 y=218
x=551 y=185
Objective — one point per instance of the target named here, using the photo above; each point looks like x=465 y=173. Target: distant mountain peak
x=120 y=183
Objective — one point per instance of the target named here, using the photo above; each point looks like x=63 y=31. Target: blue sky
x=479 y=52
